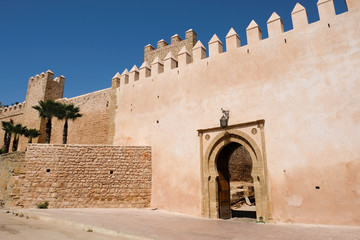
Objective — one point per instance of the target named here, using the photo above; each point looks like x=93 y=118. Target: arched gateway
x=215 y=157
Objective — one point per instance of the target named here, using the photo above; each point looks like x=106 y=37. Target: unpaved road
x=16 y=228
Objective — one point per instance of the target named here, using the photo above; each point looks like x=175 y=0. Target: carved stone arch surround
x=210 y=204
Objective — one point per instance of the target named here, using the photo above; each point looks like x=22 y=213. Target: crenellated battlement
x=44 y=86
x=53 y=87
x=294 y=109
x=47 y=76
x=11 y=110
x=179 y=53
x=163 y=48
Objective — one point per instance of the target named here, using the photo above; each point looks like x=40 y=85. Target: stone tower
x=41 y=87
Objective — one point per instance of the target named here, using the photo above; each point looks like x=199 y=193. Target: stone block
x=215 y=46
x=253 y=33
x=232 y=40
x=299 y=17
x=326 y=9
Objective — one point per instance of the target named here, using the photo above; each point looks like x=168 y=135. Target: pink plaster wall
x=306 y=89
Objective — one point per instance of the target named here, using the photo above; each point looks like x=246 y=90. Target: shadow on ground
x=243 y=214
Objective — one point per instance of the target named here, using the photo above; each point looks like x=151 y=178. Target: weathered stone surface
x=240 y=165
x=93 y=126
x=304 y=84
x=163 y=49
x=71 y=176
x=11 y=172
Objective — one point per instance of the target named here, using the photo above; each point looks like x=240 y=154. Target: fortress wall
x=12 y=172
x=11 y=111
x=15 y=113
x=35 y=92
x=93 y=126
x=71 y=176
x=163 y=48
x=304 y=83
x=41 y=87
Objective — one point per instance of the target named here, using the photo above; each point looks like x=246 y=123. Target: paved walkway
x=21 y=228
x=160 y=224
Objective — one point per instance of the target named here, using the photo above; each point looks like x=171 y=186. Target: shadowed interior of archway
x=235 y=184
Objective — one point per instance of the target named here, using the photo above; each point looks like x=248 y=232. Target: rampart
x=15 y=113
x=41 y=87
x=163 y=48
x=304 y=83
x=93 y=126
x=72 y=176
x=12 y=173
x=12 y=111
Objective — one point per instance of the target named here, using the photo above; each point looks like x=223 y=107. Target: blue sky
x=88 y=41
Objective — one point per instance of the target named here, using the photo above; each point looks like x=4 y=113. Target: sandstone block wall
x=12 y=172
x=12 y=111
x=176 y=44
x=72 y=176
x=93 y=126
x=240 y=165
x=41 y=87
x=15 y=113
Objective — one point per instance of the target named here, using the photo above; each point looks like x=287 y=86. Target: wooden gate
x=224 y=197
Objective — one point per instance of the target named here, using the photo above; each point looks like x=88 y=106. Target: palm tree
x=18 y=130
x=68 y=112
x=4 y=126
x=31 y=133
x=7 y=127
x=48 y=110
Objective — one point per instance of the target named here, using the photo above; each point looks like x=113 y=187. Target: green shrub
x=261 y=220
x=43 y=205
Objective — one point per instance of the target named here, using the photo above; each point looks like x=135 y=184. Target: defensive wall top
x=82 y=99
x=168 y=57
x=35 y=82
x=163 y=48
x=11 y=110
x=182 y=52
x=48 y=76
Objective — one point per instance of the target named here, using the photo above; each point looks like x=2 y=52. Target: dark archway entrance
x=236 y=194
x=226 y=140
